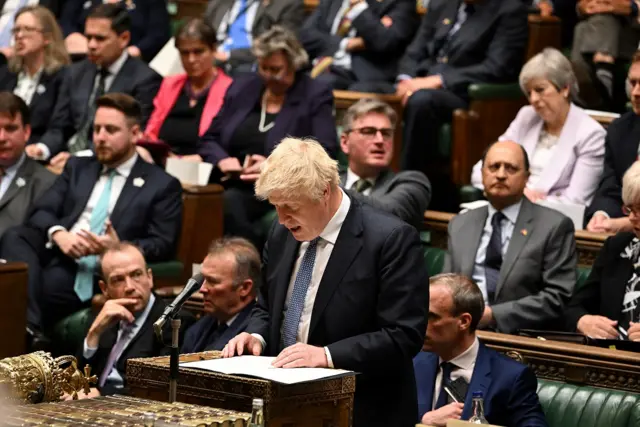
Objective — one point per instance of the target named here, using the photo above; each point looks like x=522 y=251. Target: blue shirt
x=9 y=175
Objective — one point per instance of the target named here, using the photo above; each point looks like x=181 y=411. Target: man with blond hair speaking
x=345 y=286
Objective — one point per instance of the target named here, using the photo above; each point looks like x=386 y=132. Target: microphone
x=193 y=285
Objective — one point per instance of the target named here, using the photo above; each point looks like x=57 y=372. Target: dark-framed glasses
x=370 y=132
x=25 y=29
x=628 y=210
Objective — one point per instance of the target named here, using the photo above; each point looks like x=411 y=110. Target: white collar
x=125 y=168
x=332 y=229
x=511 y=212
x=36 y=77
x=14 y=167
x=467 y=358
x=352 y=178
x=117 y=65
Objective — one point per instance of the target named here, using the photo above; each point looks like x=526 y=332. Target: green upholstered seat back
x=583 y=273
x=433 y=259
x=166 y=270
x=444 y=141
x=568 y=405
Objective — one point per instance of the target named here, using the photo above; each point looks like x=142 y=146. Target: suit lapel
x=564 y=148
x=382 y=182
x=347 y=246
x=472 y=227
x=332 y=14
x=480 y=380
x=284 y=122
x=444 y=26
x=283 y=277
x=130 y=191
x=42 y=83
x=124 y=75
x=475 y=24
x=20 y=180
x=238 y=325
x=521 y=231
x=85 y=181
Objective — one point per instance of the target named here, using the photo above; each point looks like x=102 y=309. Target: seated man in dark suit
x=454 y=359
x=457 y=44
x=22 y=180
x=345 y=286
x=358 y=41
x=123 y=329
x=232 y=278
x=96 y=202
x=621 y=150
x=521 y=255
x=108 y=68
x=367 y=138
x=150 y=25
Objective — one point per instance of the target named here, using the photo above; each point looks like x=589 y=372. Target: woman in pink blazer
x=187 y=103
x=565 y=145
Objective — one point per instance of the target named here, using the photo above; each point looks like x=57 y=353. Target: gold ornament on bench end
x=38 y=377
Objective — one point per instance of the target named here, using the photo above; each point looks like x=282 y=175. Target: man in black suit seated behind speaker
x=232 y=277
x=95 y=203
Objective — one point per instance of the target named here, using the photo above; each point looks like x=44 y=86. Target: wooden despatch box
x=324 y=403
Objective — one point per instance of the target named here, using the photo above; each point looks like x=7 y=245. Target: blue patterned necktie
x=447 y=368
x=83 y=285
x=493 y=256
x=298 y=295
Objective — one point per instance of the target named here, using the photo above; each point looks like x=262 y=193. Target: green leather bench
x=569 y=405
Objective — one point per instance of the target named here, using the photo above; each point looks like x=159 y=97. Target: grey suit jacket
x=286 y=13
x=406 y=194
x=31 y=181
x=538 y=271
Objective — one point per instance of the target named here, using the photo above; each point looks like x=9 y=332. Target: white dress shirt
x=342 y=58
x=464 y=365
x=352 y=178
x=114 y=69
x=508 y=224
x=9 y=175
x=116 y=378
x=122 y=173
x=324 y=248
x=542 y=156
x=27 y=85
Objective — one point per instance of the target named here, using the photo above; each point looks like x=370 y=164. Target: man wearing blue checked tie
x=95 y=203
x=345 y=286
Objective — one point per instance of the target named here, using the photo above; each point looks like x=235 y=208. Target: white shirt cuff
x=262 y=341
x=46 y=153
x=329 y=359
x=342 y=49
x=88 y=352
x=357 y=10
x=50 y=233
x=602 y=213
x=403 y=77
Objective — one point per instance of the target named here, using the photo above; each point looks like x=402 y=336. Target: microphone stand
x=174 y=359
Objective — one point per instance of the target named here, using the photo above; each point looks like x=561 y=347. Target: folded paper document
x=260 y=367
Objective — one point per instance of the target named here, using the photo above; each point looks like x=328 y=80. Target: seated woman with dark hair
x=36 y=70
x=608 y=304
x=187 y=103
x=259 y=110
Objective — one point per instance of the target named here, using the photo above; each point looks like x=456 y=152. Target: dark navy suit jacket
x=307 y=112
x=621 y=150
x=148 y=212
x=509 y=389
x=43 y=101
x=198 y=337
x=150 y=23
x=370 y=310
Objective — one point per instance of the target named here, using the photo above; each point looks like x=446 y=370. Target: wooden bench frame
x=13 y=309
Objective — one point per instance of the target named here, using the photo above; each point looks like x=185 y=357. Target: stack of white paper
x=260 y=367
x=188 y=172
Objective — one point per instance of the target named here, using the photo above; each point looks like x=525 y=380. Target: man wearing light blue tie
x=96 y=202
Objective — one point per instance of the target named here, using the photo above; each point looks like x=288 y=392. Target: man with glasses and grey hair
x=367 y=138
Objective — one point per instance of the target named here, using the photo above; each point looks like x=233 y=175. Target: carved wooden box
x=324 y=403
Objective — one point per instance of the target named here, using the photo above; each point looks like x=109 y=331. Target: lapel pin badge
x=20 y=182
x=446 y=21
x=138 y=182
x=524 y=232
x=41 y=89
x=87 y=4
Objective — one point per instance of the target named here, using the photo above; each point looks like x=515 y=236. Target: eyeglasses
x=25 y=29
x=628 y=210
x=370 y=132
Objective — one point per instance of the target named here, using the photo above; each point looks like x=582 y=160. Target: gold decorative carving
x=38 y=377
x=515 y=356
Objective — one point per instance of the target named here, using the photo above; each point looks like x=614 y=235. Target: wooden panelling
x=588 y=244
x=13 y=309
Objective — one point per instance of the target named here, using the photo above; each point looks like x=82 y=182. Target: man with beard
x=95 y=203
x=521 y=255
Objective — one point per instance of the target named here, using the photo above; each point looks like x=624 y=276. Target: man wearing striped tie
x=96 y=202
x=345 y=286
